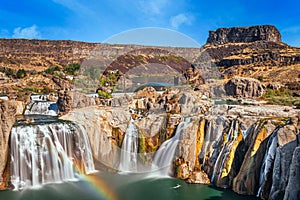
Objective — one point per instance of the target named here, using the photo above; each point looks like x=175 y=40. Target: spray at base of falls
x=48 y=153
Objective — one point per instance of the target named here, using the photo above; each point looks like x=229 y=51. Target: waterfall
x=42 y=108
x=268 y=160
x=47 y=153
x=165 y=154
x=128 y=161
x=225 y=151
x=206 y=142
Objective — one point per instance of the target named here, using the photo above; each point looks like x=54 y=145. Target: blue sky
x=98 y=20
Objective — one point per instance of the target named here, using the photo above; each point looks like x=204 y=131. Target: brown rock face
x=8 y=110
x=244 y=87
x=244 y=34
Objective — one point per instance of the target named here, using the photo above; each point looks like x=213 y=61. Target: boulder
x=198 y=177
x=68 y=100
x=244 y=87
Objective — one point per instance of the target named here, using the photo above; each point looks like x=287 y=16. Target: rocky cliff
x=8 y=111
x=244 y=34
x=252 y=150
x=255 y=51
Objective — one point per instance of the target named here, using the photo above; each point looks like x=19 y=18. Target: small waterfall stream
x=47 y=153
x=129 y=151
x=226 y=149
x=164 y=155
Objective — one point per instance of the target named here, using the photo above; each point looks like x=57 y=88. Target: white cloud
x=152 y=6
x=28 y=32
x=180 y=19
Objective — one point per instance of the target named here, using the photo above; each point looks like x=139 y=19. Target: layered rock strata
x=244 y=34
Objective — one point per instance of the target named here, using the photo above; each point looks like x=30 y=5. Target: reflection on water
x=125 y=187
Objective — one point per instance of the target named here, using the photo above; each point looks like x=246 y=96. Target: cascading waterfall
x=268 y=160
x=47 y=153
x=41 y=108
x=206 y=143
x=164 y=155
x=129 y=151
x=226 y=149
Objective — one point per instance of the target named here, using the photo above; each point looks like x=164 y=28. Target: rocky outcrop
x=8 y=111
x=244 y=34
x=255 y=52
x=184 y=101
x=68 y=100
x=244 y=87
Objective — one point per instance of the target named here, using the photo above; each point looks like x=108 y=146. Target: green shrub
x=21 y=73
x=282 y=92
x=51 y=70
x=104 y=95
x=72 y=69
x=260 y=78
x=281 y=96
x=7 y=71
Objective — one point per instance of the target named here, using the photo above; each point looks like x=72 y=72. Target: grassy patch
x=281 y=96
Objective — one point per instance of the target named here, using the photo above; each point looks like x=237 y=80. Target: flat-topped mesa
x=244 y=34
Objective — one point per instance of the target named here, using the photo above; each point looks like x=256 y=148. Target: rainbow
x=100 y=186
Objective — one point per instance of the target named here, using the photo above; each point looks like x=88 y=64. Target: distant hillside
x=255 y=51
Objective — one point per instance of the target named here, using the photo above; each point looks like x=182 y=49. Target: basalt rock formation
x=244 y=34
x=244 y=87
x=255 y=51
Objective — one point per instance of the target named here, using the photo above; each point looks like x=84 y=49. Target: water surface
x=124 y=187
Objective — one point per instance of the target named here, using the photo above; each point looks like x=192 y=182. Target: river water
x=122 y=187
